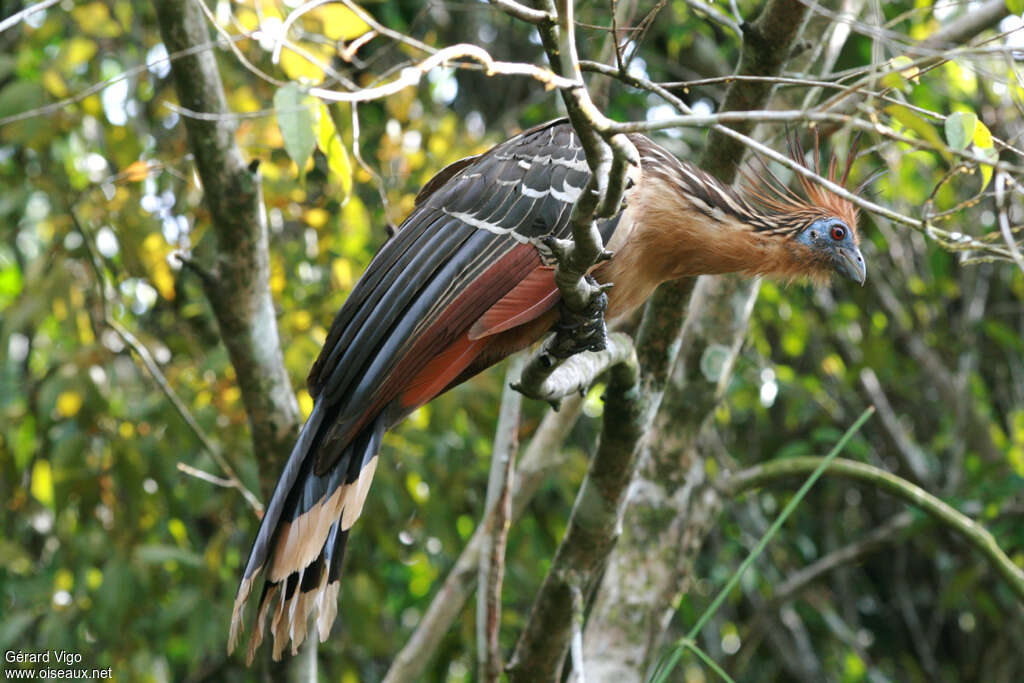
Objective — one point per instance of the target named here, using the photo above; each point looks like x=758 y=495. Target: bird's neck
x=681 y=224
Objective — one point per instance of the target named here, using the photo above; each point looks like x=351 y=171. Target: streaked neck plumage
x=682 y=222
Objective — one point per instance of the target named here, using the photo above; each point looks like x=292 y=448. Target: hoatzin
x=465 y=282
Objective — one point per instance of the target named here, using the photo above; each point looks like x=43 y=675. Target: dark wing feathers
x=468 y=242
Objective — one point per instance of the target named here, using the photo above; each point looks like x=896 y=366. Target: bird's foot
x=584 y=330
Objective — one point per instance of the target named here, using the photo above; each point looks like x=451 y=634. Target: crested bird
x=467 y=281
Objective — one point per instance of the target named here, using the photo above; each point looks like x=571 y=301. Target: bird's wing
x=471 y=241
x=468 y=243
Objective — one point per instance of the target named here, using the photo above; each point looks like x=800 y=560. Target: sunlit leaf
x=305 y=403
x=69 y=403
x=913 y=121
x=316 y=217
x=986 y=170
x=42 y=482
x=153 y=254
x=76 y=52
x=982 y=135
x=297 y=67
x=339 y=22
x=54 y=84
x=178 y=531
x=94 y=18
x=10 y=282
x=960 y=129
x=295 y=118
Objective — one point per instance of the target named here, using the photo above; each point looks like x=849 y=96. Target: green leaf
x=960 y=129
x=1015 y=6
x=329 y=141
x=21 y=96
x=296 y=120
x=911 y=120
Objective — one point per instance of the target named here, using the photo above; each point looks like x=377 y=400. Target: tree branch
x=674 y=509
x=496 y=521
x=610 y=156
x=591 y=532
x=238 y=260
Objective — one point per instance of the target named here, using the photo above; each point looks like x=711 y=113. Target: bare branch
x=411 y=76
x=591 y=534
x=576 y=373
x=18 y=17
x=524 y=13
x=878 y=538
x=497 y=510
x=238 y=259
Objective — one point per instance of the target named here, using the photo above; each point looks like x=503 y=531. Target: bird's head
x=821 y=225
x=833 y=246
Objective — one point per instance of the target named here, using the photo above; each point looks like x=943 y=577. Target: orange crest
x=791 y=208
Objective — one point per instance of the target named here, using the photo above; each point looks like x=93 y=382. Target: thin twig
x=25 y=13
x=497 y=511
x=412 y=75
x=1004 y=220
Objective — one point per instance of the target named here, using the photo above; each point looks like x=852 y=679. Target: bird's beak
x=850 y=262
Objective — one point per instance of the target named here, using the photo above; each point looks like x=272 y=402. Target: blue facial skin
x=834 y=238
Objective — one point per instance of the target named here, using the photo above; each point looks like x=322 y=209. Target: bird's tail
x=301 y=540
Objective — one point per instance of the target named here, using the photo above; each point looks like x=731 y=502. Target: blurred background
x=109 y=549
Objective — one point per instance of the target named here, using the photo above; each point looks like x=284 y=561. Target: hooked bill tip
x=850 y=262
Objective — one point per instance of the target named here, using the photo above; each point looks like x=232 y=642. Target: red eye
x=838 y=233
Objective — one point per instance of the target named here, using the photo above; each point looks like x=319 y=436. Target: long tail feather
x=301 y=541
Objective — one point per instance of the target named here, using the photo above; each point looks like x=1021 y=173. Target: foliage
x=109 y=549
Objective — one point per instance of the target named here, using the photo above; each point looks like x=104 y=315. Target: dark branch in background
x=766 y=47
x=236 y=256
x=895 y=528
x=972 y=532
x=590 y=534
x=666 y=525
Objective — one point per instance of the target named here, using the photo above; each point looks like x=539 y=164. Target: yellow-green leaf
x=340 y=22
x=982 y=136
x=42 y=482
x=69 y=403
x=986 y=169
x=903 y=73
x=913 y=121
x=76 y=52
